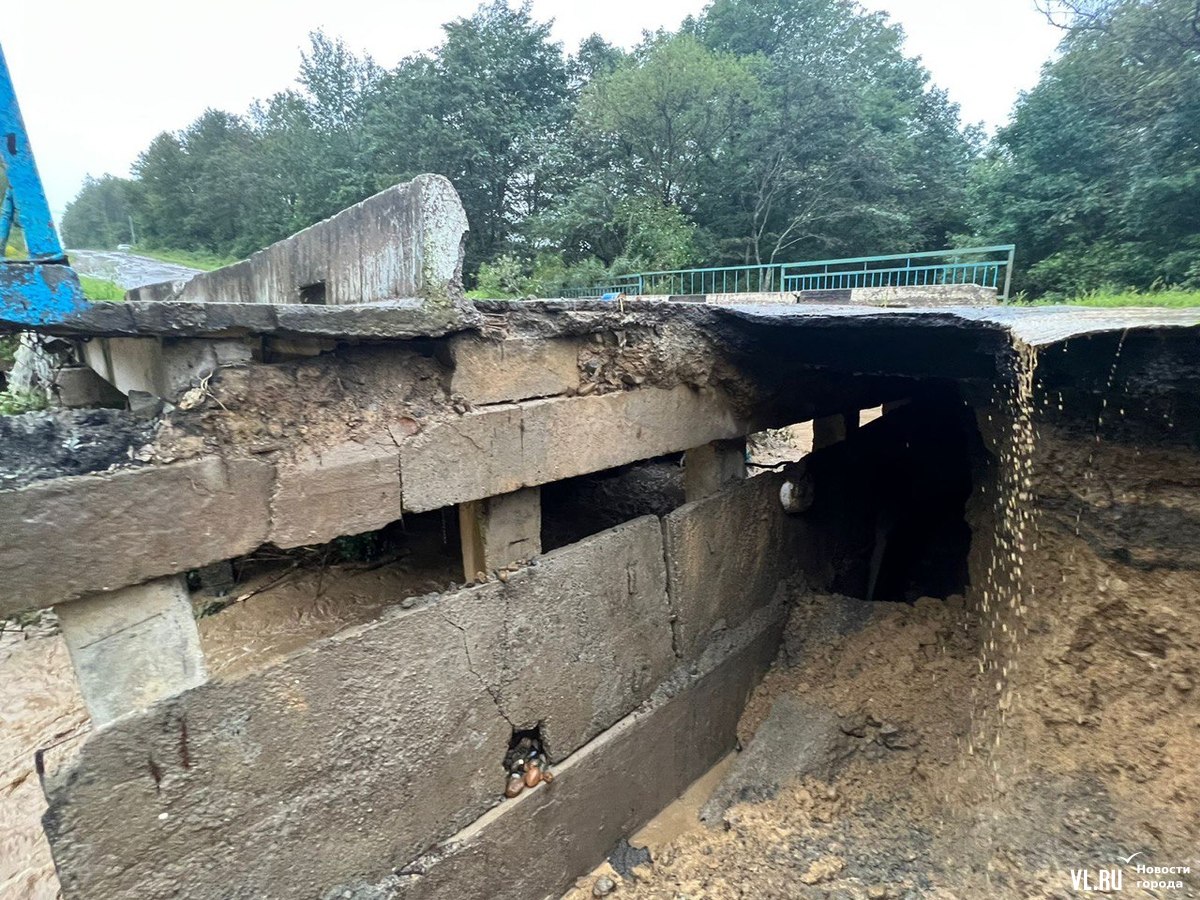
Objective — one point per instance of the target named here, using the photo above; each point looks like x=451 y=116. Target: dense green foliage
x=762 y=130
x=1097 y=177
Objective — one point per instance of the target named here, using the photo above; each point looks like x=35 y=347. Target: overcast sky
x=98 y=79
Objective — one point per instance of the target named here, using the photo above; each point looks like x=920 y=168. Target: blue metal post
x=43 y=288
x=33 y=212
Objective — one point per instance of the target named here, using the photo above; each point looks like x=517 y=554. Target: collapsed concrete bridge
x=339 y=385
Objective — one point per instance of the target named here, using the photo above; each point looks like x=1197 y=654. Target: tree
x=667 y=112
x=850 y=150
x=1097 y=177
x=483 y=111
x=100 y=214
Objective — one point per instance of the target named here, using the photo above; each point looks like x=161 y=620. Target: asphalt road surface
x=125 y=269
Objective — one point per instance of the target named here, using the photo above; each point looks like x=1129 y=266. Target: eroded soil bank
x=884 y=757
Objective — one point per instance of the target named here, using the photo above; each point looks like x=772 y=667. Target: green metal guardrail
x=984 y=266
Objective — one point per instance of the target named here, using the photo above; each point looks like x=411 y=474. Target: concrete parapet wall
x=391 y=736
x=405 y=241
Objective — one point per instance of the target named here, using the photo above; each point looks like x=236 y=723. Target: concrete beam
x=508 y=447
x=67 y=537
x=500 y=530
x=78 y=387
x=133 y=647
x=710 y=469
x=829 y=430
x=348 y=489
x=163 y=367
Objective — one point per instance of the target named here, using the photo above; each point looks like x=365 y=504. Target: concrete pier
x=713 y=467
x=133 y=647
x=500 y=530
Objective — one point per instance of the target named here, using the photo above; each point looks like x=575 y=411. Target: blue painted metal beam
x=43 y=288
x=33 y=294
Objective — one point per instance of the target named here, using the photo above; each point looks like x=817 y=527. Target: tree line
x=759 y=131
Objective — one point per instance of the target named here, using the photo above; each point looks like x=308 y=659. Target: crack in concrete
x=673 y=618
x=121 y=630
x=399 y=467
x=492 y=692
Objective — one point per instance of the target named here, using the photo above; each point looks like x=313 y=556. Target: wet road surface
x=126 y=269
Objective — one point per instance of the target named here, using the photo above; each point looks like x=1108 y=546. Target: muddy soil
x=40 y=706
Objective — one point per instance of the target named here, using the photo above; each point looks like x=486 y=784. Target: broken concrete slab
x=796 y=740
x=726 y=557
x=391 y=735
x=507 y=447
x=601 y=794
x=405 y=241
x=580 y=639
x=133 y=647
x=162 y=367
x=63 y=538
x=488 y=371
x=347 y=489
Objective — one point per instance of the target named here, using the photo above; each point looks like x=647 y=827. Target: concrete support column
x=500 y=530
x=831 y=429
x=713 y=467
x=133 y=647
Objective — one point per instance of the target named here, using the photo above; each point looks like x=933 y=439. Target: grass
x=98 y=289
x=13 y=403
x=195 y=259
x=1175 y=298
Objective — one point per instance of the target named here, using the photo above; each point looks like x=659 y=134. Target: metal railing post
x=1012 y=253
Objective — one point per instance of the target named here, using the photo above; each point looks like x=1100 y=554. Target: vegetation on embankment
x=14 y=403
x=1166 y=297
x=193 y=259
x=99 y=290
